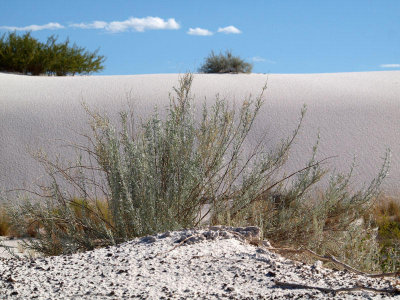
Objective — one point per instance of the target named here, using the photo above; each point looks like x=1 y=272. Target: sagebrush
x=180 y=172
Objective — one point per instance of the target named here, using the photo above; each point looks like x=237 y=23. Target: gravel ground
x=211 y=263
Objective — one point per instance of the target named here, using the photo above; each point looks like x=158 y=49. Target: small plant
x=25 y=54
x=225 y=63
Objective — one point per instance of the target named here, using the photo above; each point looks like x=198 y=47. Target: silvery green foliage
x=158 y=175
x=333 y=221
x=162 y=175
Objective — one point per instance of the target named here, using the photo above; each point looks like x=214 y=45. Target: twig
x=173 y=248
x=9 y=250
x=393 y=291
x=201 y=256
x=333 y=259
x=262 y=193
x=237 y=234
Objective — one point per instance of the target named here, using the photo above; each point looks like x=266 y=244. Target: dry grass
x=6 y=228
x=386 y=217
x=387 y=207
x=80 y=208
x=83 y=209
x=5 y=224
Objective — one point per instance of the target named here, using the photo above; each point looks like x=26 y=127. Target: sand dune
x=355 y=114
x=209 y=263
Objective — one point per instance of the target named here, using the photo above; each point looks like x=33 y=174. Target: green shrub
x=25 y=54
x=158 y=178
x=160 y=174
x=225 y=63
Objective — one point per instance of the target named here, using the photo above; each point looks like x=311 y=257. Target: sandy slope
x=213 y=263
x=355 y=113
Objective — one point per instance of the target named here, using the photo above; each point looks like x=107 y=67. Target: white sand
x=355 y=113
x=11 y=247
x=214 y=264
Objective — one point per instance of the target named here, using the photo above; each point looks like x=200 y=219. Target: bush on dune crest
x=225 y=63
x=26 y=55
x=158 y=175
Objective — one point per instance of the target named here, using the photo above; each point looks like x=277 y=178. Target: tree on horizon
x=26 y=55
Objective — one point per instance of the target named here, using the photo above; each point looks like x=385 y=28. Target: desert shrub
x=25 y=54
x=225 y=63
x=159 y=174
x=157 y=178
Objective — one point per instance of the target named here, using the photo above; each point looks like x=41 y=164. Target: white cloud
x=229 y=30
x=262 y=59
x=136 y=24
x=258 y=59
x=390 y=66
x=199 y=31
x=93 y=25
x=34 y=27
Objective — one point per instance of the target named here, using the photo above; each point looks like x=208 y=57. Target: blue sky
x=280 y=36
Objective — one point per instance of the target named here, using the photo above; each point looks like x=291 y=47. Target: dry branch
x=331 y=258
x=173 y=248
x=394 y=291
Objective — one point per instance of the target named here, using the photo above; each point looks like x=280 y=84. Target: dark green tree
x=25 y=54
x=225 y=63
